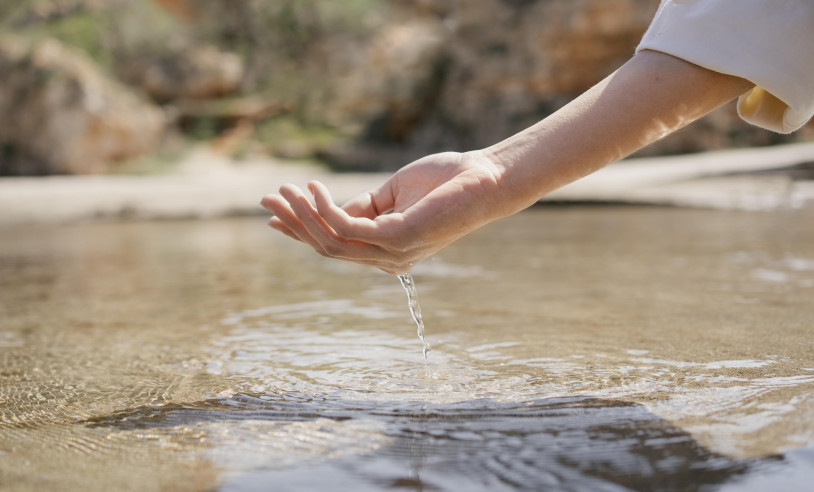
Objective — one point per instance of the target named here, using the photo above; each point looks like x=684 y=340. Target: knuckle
x=393 y=242
x=333 y=248
x=344 y=230
x=339 y=228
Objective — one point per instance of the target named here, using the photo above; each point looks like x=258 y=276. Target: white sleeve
x=768 y=42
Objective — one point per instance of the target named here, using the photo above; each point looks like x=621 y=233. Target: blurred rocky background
x=100 y=86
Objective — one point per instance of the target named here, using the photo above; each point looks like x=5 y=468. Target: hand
x=419 y=210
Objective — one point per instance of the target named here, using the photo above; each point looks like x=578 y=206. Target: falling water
x=408 y=283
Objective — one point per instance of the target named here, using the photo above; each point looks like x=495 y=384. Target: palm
x=427 y=182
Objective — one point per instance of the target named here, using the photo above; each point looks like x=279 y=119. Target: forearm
x=649 y=97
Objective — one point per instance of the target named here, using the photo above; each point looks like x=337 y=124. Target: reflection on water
x=559 y=443
x=599 y=349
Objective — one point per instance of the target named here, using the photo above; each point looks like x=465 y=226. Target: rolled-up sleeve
x=768 y=42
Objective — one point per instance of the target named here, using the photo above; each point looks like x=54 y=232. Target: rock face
x=464 y=74
x=197 y=72
x=418 y=76
x=394 y=76
x=367 y=84
x=62 y=115
x=517 y=59
x=488 y=68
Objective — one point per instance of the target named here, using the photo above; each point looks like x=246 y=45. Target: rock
x=183 y=9
x=512 y=62
x=62 y=115
x=465 y=74
x=193 y=72
x=388 y=84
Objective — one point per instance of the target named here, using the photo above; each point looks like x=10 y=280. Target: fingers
x=285 y=219
x=276 y=223
x=348 y=227
x=332 y=232
x=321 y=237
x=296 y=215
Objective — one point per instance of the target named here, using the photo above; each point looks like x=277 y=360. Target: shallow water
x=573 y=349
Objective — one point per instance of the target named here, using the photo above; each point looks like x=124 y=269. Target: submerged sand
x=574 y=348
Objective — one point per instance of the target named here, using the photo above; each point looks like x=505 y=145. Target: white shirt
x=768 y=42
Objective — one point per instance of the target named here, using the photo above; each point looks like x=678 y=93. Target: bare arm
x=442 y=197
x=651 y=96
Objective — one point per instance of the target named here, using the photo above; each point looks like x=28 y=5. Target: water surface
x=573 y=349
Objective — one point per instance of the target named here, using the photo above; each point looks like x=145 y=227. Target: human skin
x=437 y=199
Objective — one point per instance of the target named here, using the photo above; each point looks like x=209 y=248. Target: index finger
x=362 y=229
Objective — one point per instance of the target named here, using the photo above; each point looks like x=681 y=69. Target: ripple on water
x=274 y=352
x=567 y=443
x=575 y=371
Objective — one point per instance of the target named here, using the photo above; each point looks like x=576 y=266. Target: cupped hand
x=423 y=207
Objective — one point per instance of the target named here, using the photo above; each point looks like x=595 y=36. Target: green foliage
x=283 y=43
x=288 y=136
x=10 y=9
x=299 y=22
x=107 y=33
x=164 y=160
x=203 y=128
x=83 y=31
x=138 y=28
x=278 y=35
x=289 y=24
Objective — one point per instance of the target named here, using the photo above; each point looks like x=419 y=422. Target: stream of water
x=408 y=284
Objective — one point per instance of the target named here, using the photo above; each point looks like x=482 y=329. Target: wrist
x=502 y=194
x=522 y=162
x=484 y=160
